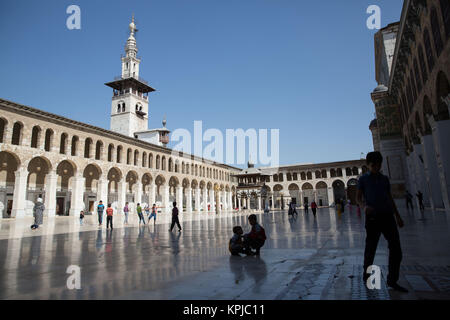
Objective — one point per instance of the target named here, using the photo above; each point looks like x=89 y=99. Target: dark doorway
x=60 y=206
x=9 y=208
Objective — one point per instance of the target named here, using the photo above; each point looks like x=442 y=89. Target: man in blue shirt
x=382 y=217
x=100 y=209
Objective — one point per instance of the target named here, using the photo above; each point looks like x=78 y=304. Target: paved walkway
x=304 y=258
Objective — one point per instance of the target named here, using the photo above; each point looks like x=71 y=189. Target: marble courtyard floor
x=304 y=258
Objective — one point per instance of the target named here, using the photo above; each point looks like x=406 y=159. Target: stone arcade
x=412 y=101
x=73 y=165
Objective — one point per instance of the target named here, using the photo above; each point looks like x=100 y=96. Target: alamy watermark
x=231 y=149
x=74 y=20
x=374 y=280
x=374 y=20
x=74 y=280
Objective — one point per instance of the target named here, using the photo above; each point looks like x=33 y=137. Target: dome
x=380 y=88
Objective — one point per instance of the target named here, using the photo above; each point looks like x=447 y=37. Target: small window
x=123 y=107
x=118 y=108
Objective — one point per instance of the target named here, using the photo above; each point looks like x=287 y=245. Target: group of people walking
x=293 y=210
x=151 y=213
x=409 y=198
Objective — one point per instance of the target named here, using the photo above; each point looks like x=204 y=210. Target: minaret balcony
x=130 y=75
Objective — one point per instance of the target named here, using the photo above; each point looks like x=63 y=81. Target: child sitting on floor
x=236 y=245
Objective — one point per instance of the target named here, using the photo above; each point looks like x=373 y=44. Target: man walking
x=153 y=214
x=109 y=216
x=139 y=212
x=374 y=195
x=175 y=218
x=100 y=209
x=419 y=195
x=314 y=208
x=126 y=210
x=408 y=197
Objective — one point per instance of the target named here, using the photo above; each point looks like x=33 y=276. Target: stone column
x=258 y=204
x=441 y=132
x=230 y=202
x=121 y=195
x=205 y=199
x=330 y=196
x=152 y=197
x=212 y=200
x=20 y=192
x=102 y=190
x=197 y=199
x=179 y=198
x=76 y=200
x=273 y=202
x=431 y=170
x=50 y=194
x=225 y=200
x=188 y=200
x=239 y=202
x=138 y=194
x=166 y=198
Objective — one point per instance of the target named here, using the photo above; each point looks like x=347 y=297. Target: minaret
x=129 y=107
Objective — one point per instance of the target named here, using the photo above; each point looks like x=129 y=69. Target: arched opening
x=442 y=95
x=158 y=165
x=163 y=163
x=160 y=181
x=92 y=175
x=436 y=30
x=308 y=193
x=294 y=193
x=146 y=184
x=352 y=190
x=132 y=179
x=119 y=154
x=87 y=147
x=65 y=171
x=445 y=10
x=136 y=157
x=35 y=136
x=9 y=163
x=74 y=148
x=144 y=159
x=17 y=133
x=38 y=168
x=48 y=140
x=128 y=156
x=278 y=198
x=427 y=112
x=63 y=143
x=355 y=171
x=114 y=177
x=173 y=184
x=3 y=125
x=110 y=152
x=339 y=190
x=150 y=160
x=98 y=150
x=322 y=194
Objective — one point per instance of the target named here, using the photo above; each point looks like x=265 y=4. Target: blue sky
x=304 y=67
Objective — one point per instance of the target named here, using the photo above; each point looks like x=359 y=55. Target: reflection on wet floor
x=304 y=258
